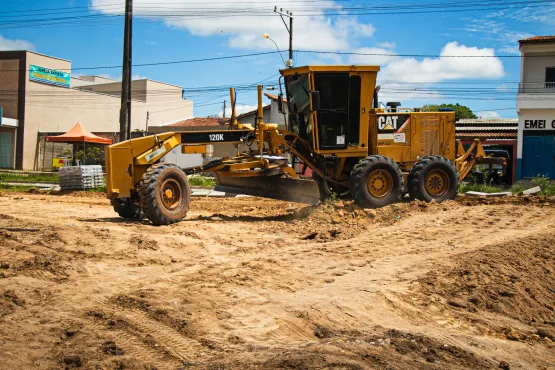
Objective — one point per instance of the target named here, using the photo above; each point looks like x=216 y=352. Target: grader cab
x=335 y=127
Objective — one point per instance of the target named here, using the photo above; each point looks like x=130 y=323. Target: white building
x=536 y=108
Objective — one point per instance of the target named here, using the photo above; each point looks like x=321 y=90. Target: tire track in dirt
x=254 y=294
x=180 y=347
x=135 y=343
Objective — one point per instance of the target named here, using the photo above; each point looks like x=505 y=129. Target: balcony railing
x=536 y=88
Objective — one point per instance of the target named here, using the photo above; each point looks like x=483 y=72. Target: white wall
x=276 y=117
x=540 y=56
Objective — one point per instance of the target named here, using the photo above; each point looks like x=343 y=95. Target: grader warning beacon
x=335 y=127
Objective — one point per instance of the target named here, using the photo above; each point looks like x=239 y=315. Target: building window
x=550 y=77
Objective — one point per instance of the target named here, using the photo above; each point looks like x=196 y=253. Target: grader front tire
x=127 y=209
x=376 y=181
x=433 y=178
x=165 y=194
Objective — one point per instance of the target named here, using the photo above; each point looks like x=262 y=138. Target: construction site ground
x=247 y=283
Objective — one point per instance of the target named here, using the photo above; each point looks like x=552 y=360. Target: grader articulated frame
x=336 y=128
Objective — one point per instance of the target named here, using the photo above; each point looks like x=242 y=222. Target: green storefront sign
x=49 y=76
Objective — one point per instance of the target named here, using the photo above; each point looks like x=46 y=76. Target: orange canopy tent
x=78 y=134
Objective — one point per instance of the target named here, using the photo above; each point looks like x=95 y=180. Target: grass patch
x=100 y=189
x=547 y=186
x=202 y=181
x=483 y=188
x=17 y=188
x=54 y=179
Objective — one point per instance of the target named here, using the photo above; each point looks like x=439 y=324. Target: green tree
x=92 y=155
x=461 y=111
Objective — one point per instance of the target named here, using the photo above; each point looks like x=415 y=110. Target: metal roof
x=486 y=128
x=487 y=121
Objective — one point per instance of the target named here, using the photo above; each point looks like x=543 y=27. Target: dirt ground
x=247 y=283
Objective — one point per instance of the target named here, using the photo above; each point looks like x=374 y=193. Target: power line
x=159 y=63
x=158 y=11
x=298 y=51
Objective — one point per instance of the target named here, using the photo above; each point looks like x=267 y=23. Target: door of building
x=538 y=156
x=6 y=150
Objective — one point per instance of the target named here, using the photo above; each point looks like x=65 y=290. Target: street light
x=266 y=36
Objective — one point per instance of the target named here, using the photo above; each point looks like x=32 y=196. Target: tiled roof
x=274 y=97
x=538 y=40
x=197 y=122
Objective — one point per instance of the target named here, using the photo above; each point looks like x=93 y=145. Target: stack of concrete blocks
x=81 y=177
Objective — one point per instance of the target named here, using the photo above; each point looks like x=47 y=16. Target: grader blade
x=274 y=187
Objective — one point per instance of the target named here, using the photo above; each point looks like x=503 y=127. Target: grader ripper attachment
x=335 y=127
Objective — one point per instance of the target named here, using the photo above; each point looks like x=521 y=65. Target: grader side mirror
x=315 y=97
x=280 y=104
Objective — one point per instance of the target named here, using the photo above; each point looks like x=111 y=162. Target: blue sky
x=89 y=33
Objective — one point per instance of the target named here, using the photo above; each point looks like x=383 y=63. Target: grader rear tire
x=376 y=181
x=127 y=209
x=433 y=178
x=165 y=194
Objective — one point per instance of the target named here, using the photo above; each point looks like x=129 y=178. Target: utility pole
x=125 y=112
x=224 y=108
x=147 y=117
x=289 y=28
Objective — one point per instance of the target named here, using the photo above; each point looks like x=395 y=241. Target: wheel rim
x=437 y=183
x=379 y=183
x=171 y=194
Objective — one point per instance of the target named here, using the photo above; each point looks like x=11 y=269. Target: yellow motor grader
x=335 y=127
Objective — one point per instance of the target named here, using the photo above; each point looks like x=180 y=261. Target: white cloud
x=405 y=78
x=386 y=45
x=433 y=70
x=492 y=30
x=314 y=32
x=488 y=114
x=138 y=77
x=17 y=44
x=541 y=14
x=373 y=56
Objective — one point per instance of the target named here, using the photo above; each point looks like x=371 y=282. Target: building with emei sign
x=39 y=96
x=536 y=108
